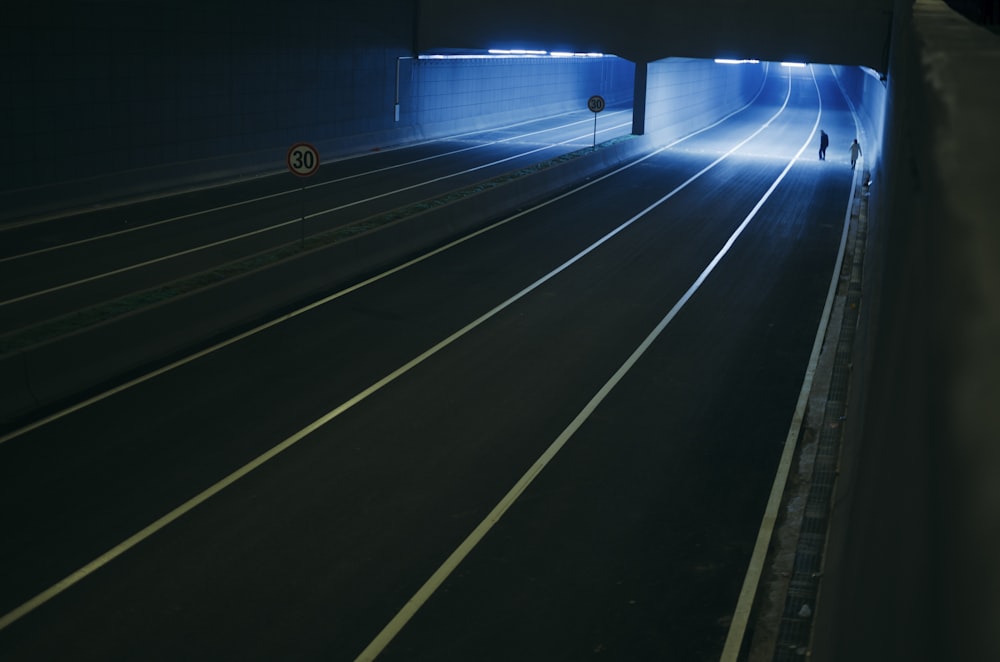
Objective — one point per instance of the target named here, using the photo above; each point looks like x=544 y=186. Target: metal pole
x=594 y=146
x=396 y=100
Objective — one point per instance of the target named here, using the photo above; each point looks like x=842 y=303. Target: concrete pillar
x=639 y=100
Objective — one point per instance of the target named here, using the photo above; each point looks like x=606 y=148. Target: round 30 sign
x=302 y=159
x=595 y=103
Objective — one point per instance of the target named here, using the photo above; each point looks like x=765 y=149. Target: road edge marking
x=410 y=608
x=751 y=581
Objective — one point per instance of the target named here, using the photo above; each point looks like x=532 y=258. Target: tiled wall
x=684 y=95
x=448 y=94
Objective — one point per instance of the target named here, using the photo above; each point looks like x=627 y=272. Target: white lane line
x=459 y=151
x=137 y=228
x=83 y=572
x=277 y=226
x=147 y=263
x=261 y=198
x=424 y=593
x=755 y=567
x=295 y=313
x=301 y=311
x=125 y=203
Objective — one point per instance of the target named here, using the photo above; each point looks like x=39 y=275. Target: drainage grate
x=796 y=620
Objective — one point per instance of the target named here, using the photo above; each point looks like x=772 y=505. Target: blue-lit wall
x=868 y=97
x=683 y=95
x=455 y=95
x=103 y=98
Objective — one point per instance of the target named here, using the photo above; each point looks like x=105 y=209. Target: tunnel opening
x=685 y=95
x=450 y=92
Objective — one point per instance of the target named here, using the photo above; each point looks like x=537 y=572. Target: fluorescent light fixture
x=793 y=64
x=515 y=51
x=720 y=60
x=497 y=53
x=568 y=54
x=466 y=56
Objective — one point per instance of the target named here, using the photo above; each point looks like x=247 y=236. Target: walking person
x=855 y=152
x=824 y=142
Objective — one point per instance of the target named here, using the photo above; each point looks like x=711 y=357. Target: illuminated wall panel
x=458 y=95
x=683 y=95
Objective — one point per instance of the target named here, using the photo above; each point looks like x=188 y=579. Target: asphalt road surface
x=551 y=441
x=53 y=266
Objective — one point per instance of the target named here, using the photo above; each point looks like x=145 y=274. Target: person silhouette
x=824 y=142
x=855 y=152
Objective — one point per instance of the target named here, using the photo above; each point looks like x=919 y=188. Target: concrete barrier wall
x=912 y=568
x=683 y=95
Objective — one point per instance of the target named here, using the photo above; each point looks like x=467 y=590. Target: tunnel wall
x=135 y=93
x=448 y=96
x=683 y=95
x=912 y=566
x=116 y=98
x=867 y=95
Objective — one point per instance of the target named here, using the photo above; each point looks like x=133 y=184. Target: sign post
x=302 y=161
x=596 y=105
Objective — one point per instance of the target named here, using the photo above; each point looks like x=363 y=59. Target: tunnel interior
x=113 y=98
x=127 y=97
x=442 y=94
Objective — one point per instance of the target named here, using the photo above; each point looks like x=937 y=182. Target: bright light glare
x=567 y=54
x=470 y=56
x=728 y=61
x=515 y=51
x=793 y=64
x=505 y=53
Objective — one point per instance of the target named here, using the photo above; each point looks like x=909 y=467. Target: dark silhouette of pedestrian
x=824 y=142
x=855 y=152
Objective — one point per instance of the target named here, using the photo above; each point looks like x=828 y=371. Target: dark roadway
x=49 y=267
x=407 y=409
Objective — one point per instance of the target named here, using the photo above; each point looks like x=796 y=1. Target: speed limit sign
x=302 y=159
x=595 y=103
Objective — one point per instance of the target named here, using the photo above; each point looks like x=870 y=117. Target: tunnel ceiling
x=827 y=31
